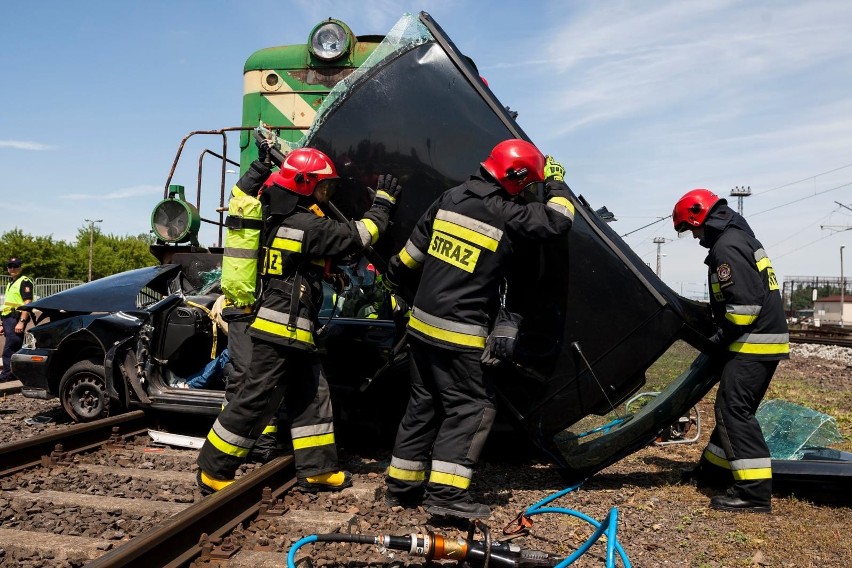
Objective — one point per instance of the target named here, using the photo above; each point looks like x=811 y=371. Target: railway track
x=99 y=495
x=823 y=336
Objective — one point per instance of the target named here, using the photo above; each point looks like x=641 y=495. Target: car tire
x=83 y=392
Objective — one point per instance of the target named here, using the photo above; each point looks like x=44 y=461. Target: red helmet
x=515 y=164
x=302 y=170
x=691 y=210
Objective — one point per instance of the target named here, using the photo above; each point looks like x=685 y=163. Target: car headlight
x=29 y=341
x=329 y=41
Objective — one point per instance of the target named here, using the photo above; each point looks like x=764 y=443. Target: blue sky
x=641 y=101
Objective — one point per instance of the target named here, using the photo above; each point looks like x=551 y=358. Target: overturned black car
x=130 y=340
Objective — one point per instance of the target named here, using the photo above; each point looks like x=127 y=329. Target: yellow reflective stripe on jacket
x=762 y=262
x=407 y=260
x=270 y=429
x=288 y=239
x=741 y=315
x=562 y=205
x=469 y=229
x=411 y=256
x=761 y=344
x=407 y=470
x=448 y=331
x=274 y=323
x=312 y=436
x=454 y=475
x=716 y=288
x=368 y=231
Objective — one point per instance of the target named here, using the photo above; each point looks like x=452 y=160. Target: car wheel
x=83 y=392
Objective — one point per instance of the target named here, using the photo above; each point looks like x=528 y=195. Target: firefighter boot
x=734 y=502
x=331 y=481
x=209 y=485
x=462 y=509
x=409 y=499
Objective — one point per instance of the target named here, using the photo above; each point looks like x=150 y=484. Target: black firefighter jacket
x=744 y=296
x=462 y=243
x=301 y=245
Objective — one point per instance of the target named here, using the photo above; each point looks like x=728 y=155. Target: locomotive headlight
x=329 y=41
x=174 y=220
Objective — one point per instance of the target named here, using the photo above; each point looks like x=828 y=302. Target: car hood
x=111 y=294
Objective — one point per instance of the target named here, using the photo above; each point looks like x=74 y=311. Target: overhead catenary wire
x=815 y=194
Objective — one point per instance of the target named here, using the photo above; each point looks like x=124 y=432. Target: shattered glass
x=210 y=280
x=790 y=428
x=406 y=34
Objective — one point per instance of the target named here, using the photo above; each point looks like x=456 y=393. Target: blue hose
x=609 y=527
x=291 y=556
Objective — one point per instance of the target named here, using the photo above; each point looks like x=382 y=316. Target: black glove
x=554 y=185
x=385 y=282
x=263 y=149
x=500 y=344
x=387 y=191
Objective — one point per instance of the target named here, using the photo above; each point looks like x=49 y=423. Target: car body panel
x=596 y=317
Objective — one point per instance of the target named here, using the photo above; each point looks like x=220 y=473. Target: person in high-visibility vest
x=18 y=293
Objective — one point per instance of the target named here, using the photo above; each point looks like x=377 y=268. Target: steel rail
x=821 y=338
x=24 y=454
x=176 y=542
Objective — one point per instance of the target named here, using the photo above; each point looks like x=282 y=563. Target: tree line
x=45 y=257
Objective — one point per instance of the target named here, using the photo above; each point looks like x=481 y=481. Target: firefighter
x=462 y=244
x=19 y=291
x=299 y=246
x=751 y=338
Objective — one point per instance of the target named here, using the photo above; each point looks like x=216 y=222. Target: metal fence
x=43 y=286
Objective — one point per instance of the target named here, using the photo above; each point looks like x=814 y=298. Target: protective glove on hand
x=387 y=191
x=553 y=170
x=555 y=185
x=385 y=282
x=264 y=147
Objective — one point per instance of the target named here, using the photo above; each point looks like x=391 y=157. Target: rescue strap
x=239 y=223
x=212 y=320
x=291 y=288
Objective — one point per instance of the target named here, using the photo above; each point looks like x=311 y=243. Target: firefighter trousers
x=277 y=373
x=737 y=447
x=450 y=412
x=275 y=438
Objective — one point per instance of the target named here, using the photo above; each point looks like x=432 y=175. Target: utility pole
x=659 y=242
x=91 y=241
x=842 y=286
x=739 y=193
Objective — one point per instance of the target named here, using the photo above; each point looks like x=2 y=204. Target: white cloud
x=121 y=193
x=23 y=145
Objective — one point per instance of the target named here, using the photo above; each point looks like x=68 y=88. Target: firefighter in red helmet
x=463 y=244
x=751 y=338
x=299 y=244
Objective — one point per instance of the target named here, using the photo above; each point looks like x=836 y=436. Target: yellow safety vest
x=13 y=300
